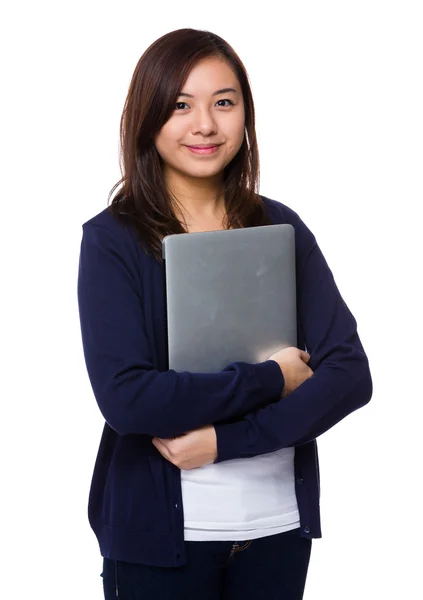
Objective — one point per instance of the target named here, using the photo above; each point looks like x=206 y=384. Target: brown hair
x=144 y=200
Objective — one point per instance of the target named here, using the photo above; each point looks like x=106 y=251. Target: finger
x=172 y=445
x=166 y=441
x=305 y=356
x=162 y=448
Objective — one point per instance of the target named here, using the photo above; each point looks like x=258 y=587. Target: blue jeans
x=273 y=567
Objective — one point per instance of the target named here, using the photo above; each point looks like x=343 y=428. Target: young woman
x=205 y=485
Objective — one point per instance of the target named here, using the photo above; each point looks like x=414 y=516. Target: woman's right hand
x=293 y=364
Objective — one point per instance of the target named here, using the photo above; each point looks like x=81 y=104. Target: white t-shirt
x=240 y=499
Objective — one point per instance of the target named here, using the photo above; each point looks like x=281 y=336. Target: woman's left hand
x=190 y=450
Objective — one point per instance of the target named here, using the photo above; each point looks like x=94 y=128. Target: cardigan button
x=306 y=529
x=300 y=480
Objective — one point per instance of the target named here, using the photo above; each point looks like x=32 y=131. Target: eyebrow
x=222 y=91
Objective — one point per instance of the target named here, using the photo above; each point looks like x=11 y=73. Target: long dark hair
x=144 y=200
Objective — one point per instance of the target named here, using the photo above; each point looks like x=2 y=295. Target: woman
x=175 y=515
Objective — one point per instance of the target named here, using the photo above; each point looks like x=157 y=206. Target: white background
x=338 y=94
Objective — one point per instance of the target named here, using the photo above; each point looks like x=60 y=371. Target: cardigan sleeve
x=134 y=397
x=341 y=382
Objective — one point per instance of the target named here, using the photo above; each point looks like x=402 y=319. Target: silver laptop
x=230 y=296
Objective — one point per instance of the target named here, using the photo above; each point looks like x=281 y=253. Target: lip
x=202 y=150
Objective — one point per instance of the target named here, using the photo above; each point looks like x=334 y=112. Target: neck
x=196 y=198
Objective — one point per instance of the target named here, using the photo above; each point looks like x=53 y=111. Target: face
x=207 y=117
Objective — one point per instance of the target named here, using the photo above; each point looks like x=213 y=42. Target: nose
x=203 y=122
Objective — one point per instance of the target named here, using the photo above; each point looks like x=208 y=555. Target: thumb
x=305 y=356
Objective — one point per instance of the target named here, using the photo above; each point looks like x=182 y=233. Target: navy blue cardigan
x=135 y=501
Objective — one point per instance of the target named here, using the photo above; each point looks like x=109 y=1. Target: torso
x=209 y=226
x=206 y=225
x=197 y=225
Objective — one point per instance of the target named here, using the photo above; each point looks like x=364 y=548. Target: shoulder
x=106 y=238
x=105 y=220
x=281 y=213
x=104 y=226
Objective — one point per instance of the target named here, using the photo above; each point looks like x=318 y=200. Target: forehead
x=208 y=74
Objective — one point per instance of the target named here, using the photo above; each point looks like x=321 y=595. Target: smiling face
x=204 y=114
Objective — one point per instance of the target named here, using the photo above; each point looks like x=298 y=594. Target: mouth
x=204 y=149
x=202 y=145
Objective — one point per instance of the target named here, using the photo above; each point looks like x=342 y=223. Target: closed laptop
x=230 y=296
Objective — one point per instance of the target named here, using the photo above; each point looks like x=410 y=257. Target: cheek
x=237 y=131
x=165 y=138
x=172 y=131
x=237 y=137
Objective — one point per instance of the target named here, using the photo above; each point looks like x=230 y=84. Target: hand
x=190 y=450
x=292 y=362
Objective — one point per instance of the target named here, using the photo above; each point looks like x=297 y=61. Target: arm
x=341 y=382
x=133 y=396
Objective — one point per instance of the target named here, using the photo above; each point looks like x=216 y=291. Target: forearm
x=313 y=408
x=133 y=396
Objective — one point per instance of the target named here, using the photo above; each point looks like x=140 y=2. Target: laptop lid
x=230 y=296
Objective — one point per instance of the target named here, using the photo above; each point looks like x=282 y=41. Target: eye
x=227 y=100
x=224 y=100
